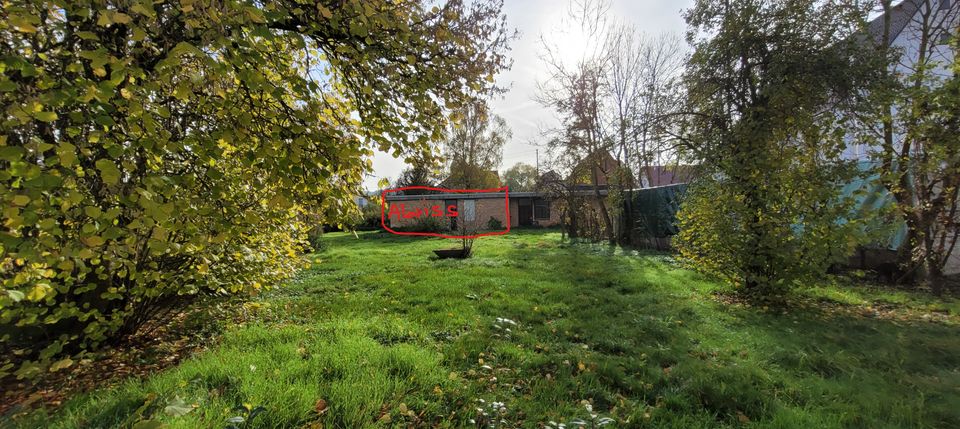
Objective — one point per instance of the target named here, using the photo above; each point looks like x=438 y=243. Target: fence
x=648 y=217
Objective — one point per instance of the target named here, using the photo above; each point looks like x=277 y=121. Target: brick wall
x=554 y=219
x=411 y=205
x=484 y=209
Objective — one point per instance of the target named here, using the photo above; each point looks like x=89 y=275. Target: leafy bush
x=766 y=253
x=315 y=238
x=425 y=224
x=494 y=224
x=151 y=157
x=370 y=218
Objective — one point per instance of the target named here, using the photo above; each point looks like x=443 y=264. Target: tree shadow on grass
x=659 y=338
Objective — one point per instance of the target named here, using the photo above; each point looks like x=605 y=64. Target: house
x=911 y=23
x=474 y=211
x=526 y=209
x=597 y=168
x=907 y=21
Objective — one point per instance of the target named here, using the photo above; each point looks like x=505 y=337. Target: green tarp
x=870 y=196
x=654 y=210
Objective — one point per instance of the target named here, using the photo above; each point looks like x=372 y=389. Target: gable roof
x=600 y=162
x=900 y=16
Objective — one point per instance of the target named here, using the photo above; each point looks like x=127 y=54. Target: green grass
x=389 y=337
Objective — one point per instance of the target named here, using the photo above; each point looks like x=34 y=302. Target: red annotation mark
x=399 y=211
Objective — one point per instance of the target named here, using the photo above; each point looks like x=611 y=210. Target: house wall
x=953 y=264
x=484 y=209
x=908 y=43
x=410 y=205
x=554 y=219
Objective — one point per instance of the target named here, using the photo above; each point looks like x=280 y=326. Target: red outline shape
x=383 y=210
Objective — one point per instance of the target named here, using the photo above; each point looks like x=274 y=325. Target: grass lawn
x=376 y=334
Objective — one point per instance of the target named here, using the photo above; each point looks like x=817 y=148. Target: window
x=944 y=4
x=469 y=210
x=541 y=209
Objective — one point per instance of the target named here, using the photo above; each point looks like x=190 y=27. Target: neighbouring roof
x=900 y=16
x=662 y=175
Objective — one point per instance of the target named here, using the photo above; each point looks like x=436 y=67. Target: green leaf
x=92 y=211
x=15 y=295
x=10 y=153
x=93 y=240
x=61 y=364
x=67 y=153
x=39 y=292
x=43 y=182
x=108 y=171
x=45 y=116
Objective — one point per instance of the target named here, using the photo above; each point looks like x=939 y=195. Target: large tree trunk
x=604 y=213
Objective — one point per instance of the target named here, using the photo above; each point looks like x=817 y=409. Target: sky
x=547 y=18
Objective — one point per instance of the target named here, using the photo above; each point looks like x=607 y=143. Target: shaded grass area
x=377 y=334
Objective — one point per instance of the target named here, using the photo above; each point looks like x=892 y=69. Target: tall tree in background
x=917 y=130
x=473 y=147
x=154 y=151
x=770 y=86
x=521 y=177
x=421 y=172
x=580 y=145
x=615 y=99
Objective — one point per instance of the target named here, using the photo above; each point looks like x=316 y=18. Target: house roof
x=900 y=16
x=482 y=195
x=662 y=175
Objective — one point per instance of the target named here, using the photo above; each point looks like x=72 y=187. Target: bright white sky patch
x=534 y=18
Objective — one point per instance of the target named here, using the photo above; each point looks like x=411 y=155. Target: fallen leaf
x=177 y=407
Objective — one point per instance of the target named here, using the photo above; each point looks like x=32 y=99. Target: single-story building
x=475 y=209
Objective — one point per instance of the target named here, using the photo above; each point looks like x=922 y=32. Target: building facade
x=474 y=211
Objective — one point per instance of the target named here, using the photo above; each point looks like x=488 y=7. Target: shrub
x=140 y=167
x=425 y=224
x=494 y=224
x=766 y=253
x=315 y=238
x=370 y=218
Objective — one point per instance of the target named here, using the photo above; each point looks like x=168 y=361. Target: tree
x=420 y=173
x=151 y=152
x=616 y=100
x=771 y=85
x=521 y=177
x=473 y=146
x=916 y=129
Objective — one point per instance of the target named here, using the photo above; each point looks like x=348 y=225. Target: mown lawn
x=387 y=337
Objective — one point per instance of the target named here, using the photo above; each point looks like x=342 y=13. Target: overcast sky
x=534 y=18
